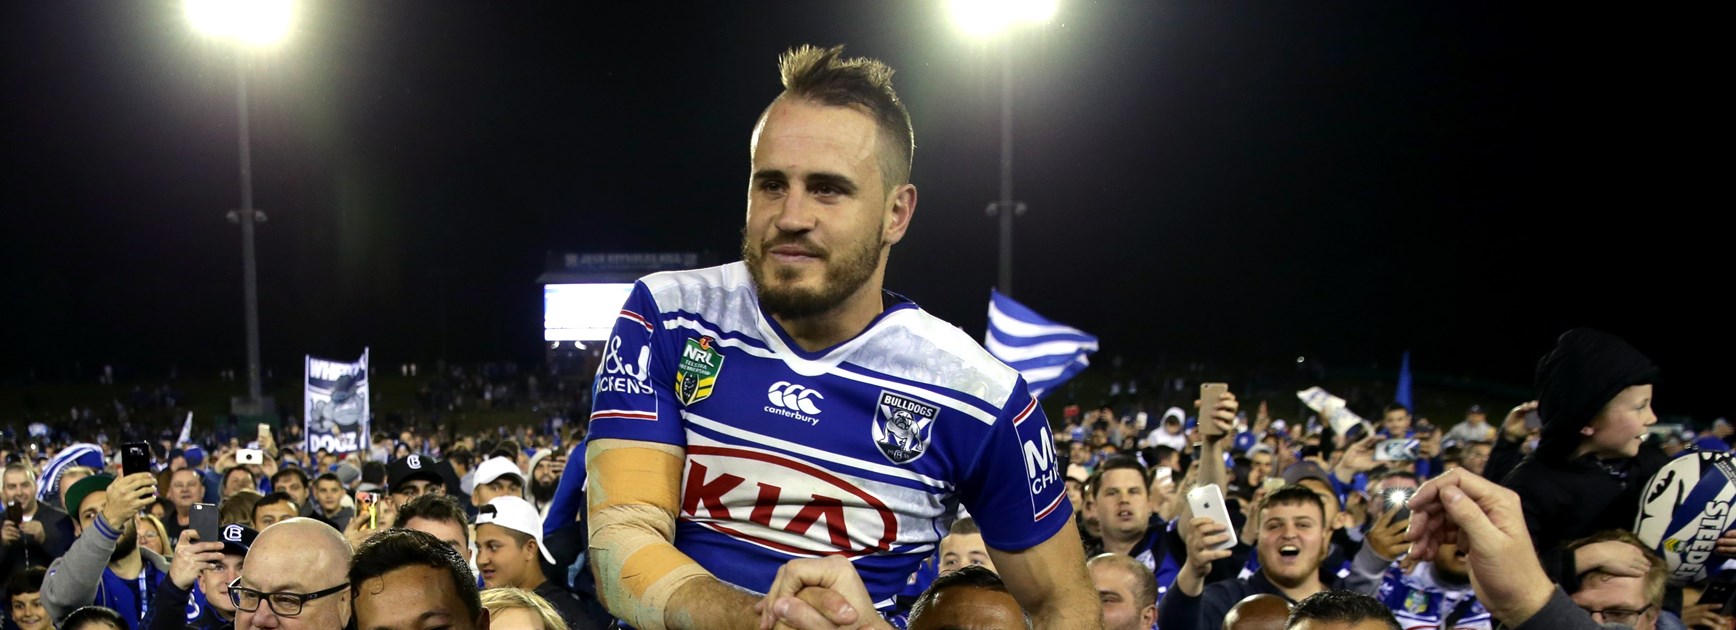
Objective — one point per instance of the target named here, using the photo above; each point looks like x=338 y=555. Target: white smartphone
x=249 y=456
x=1163 y=475
x=1208 y=501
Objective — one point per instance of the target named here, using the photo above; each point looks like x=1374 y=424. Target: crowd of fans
x=427 y=525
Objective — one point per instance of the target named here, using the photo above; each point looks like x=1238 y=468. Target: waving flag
x=1044 y=352
x=1403 y=396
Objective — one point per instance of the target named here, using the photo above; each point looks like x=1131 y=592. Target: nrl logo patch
x=697 y=372
x=902 y=426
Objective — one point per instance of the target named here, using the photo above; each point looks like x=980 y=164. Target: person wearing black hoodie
x=1594 y=394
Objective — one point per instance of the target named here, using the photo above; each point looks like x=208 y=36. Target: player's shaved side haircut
x=824 y=76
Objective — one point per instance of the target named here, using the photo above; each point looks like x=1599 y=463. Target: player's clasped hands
x=818 y=594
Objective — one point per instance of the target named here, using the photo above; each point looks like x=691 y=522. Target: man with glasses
x=212 y=565
x=293 y=578
x=404 y=578
x=1630 y=601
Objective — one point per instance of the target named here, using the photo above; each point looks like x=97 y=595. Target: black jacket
x=1206 y=612
x=171 y=607
x=1567 y=500
x=30 y=552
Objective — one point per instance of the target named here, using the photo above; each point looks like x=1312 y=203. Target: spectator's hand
x=816 y=593
x=9 y=533
x=34 y=530
x=1358 y=458
x=1726 y=545
x=1387 y=539
x=1705 y=617
x=1204 y=534
x=1513 y=428
x=127 y=496
x=1487 y=522
x=386 y=512
x=1224 y=416
x=192 y=558
x=1613 y=557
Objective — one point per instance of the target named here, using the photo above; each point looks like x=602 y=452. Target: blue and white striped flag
x=80 y=454
x=1044 y=352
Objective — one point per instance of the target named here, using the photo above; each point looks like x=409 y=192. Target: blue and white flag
x=1046 y=353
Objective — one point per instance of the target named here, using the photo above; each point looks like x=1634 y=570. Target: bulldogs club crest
x=902 y=426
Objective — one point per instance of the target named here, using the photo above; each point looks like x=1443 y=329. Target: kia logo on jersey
x=783 y=504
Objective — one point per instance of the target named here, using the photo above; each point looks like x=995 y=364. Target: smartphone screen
x=204 y=521
x=368 y=502
x=135 y=458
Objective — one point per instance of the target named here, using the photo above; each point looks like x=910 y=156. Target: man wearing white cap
x=497 y=477
x=508 y=542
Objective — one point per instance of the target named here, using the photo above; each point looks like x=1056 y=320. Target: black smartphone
x=1398 y=499
x=135 y=458
x=204 y=521
x=15 y=513
x=1721 y=592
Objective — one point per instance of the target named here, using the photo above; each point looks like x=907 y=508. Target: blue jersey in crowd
x=863 y=450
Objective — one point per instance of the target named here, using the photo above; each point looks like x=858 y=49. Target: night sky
x=1236 y=182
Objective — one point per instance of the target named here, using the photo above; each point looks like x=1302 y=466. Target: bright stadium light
x=985 y=18
x=256 y=22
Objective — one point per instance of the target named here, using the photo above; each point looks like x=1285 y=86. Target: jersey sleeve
x=632 y=397
x=1013 y=487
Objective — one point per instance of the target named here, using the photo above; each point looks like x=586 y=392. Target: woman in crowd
x=518 y=609
x=155 y=537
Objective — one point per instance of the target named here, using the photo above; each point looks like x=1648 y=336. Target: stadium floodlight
x=986 y=18
x=250 y=24
x=255 y=22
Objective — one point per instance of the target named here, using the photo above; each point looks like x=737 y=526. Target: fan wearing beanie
x=1594 y=392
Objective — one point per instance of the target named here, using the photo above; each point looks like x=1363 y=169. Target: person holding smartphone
x=30 y=533
x=105 y=565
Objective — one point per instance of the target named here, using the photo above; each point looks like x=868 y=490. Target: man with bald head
x=294 y=578
x=1258 y=612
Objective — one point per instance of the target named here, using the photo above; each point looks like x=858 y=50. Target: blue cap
x=1191 y=423
x=195 y=456
x=1243 y=442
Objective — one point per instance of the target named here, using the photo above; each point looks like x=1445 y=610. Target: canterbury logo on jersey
x=794 y=397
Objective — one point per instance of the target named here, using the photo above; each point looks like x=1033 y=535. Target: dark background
x=1233 y=182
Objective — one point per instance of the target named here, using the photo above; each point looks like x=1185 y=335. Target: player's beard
x=846 y=271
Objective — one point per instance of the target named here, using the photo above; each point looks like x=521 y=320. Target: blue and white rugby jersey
x=862 y=450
